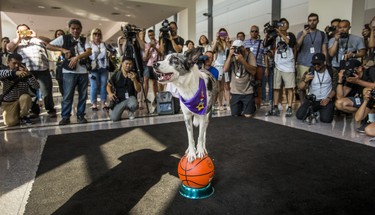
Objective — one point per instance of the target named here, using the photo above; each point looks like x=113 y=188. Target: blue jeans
x=101 y=78
x=268 y=80
x=70 y=82
x=130 y=103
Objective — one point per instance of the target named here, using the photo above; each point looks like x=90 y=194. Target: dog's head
x=176 y=65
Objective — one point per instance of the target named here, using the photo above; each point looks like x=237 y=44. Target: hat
x=352 y=63
x=318 y=58
x=237 y=43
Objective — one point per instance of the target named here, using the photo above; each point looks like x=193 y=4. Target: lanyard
x=320 y=81
x=313 y=40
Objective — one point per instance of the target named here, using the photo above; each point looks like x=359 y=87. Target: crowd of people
x=330 y=72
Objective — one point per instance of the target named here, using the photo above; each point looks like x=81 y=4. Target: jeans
x=130 y=103
x=268 y=80
x=70 y=82
x=101 y=78
x=45 y=82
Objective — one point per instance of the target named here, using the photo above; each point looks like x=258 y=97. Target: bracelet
x=339 y=83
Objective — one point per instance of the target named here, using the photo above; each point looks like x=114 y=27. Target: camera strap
x=345 y=48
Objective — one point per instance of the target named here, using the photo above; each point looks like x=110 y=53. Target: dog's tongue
x=165 y=76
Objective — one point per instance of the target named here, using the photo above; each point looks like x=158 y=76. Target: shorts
x=289 y=79
x=149 y=72
x=222 y=74
x=355 y=103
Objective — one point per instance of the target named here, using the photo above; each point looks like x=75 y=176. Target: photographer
x=344 y=46
x=367 y=106
x=348 y=93
x=16 y=100
x=122 y=89
x=321 y=85
x=208 y=58
x=35 y=57
x=284 y=66
x=241 y=65
x=171 y=42
x=76 y=50
x=330 y=30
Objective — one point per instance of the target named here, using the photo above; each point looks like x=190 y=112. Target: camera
x=130 y=31
x=349 y=73
x=344 y=35
x=372 y=93
x=25 y=32
x=237 y=49
x=311 y=71
x=311 y=97
x=270 y=28
x=165 y=29
x=330 y=30
x=112 y=103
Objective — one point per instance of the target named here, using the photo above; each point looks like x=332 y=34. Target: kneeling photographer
x=321 y=85
x=122 y=89
x=367 y=106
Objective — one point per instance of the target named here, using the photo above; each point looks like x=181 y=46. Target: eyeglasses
x=99 y=34
x=254 y=31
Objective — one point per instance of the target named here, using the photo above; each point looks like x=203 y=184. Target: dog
x=197 y=90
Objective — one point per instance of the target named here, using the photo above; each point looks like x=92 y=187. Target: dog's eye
x=174 y=60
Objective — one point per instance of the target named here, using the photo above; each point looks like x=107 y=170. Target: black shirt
x=122 y=85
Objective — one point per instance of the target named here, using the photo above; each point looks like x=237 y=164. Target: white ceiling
x=108 y=15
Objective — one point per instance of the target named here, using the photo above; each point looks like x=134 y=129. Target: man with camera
x=122 y=89
x=321 y=85
x=309 y=42
x=34 y=55
x=241 y=66
x=16 y=100
x=367 y=106
x=284 y=66
x=170 y=42
x=344 y=46
x=76 y=50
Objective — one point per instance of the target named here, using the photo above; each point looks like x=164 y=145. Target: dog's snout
x=156 y=65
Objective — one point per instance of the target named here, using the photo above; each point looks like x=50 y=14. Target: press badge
x=357 y=101
x=251 y=49
x=126 y=95
x=312 y=50
x=283 y=55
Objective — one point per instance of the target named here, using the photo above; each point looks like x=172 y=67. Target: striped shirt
x=8 y=77
x=34 y=54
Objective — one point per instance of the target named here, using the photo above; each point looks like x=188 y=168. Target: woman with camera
x=99 y=72
x=367 y=106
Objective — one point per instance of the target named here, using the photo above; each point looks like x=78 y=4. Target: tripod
x=132 y=51
x=311 y=115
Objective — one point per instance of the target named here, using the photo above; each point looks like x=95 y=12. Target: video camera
x=130 y=31
x=270 y=28
x=165 y=29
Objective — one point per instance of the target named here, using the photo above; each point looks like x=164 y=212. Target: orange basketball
x=196 y=174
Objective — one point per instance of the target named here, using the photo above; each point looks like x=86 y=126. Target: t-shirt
x=311 y=44
x=168 y=45
x=355 y=43
x=122 y=85
x=284 y=55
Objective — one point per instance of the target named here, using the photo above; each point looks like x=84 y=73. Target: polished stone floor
x=21 y=147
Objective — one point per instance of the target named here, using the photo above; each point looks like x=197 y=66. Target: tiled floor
x=21 y=147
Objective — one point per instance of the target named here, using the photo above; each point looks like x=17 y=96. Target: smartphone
x=306 y=26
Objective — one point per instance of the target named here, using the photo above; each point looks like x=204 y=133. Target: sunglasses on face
x=254 y=31
x=222 y=34
x=98 y=34
x=317 y=64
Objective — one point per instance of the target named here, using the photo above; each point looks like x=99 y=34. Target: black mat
x=260 y=168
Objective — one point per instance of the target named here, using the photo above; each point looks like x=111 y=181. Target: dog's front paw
x=201 y=153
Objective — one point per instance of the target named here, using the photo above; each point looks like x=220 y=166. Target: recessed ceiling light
x=41 y=7
x=128 y=15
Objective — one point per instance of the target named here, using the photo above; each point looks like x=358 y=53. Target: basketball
x=196 y=174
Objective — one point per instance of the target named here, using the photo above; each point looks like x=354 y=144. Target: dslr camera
x=311 y=98
x=237 y=49
x=349 y=69
x=330 y=30
x=201 y=60
x=372 y=93
x=165 y=29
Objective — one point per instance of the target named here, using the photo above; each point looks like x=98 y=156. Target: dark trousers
x=45 y=82
x=325 y=112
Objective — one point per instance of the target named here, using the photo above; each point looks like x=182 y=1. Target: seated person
x=122 y=89
x=367 y=106
x=349 y=94
x=321 y=84
x=16 y=101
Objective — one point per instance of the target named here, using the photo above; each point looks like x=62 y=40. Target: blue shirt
x=214 y=72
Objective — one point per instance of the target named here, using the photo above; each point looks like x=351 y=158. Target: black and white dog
x=197 y=89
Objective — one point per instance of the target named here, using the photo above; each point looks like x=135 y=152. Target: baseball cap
x=352 y=63
x=318 y=58
x=237 y=43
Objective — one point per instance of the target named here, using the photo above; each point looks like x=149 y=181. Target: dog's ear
x=192 y=57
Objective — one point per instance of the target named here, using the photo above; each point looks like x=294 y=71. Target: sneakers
x=81 y=119
x=273 y=112
x=289 y=112
x=131 y=115
x=52 y=114
x=26 y=121
x=361 y=129
x=64 y=121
